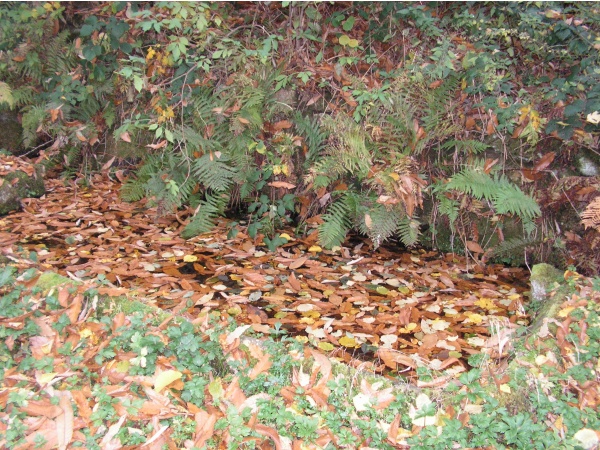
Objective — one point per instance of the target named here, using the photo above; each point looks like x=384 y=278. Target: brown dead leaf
x=263 y=364
x=293 y=281
x=297 y=263
x=64 y=422
x=393 y=358
x=282 y=184
x=282 y=125
x=474 y=247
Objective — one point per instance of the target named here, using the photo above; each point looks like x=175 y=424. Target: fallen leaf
x=165 y=378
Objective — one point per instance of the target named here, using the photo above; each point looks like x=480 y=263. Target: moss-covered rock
x=544 y=278
x=11 y=138
x=18 y=185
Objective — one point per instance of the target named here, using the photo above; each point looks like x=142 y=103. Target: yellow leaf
x=190 y=258
x=566 y=311
x=45 y=378
x=474 y=318
x=315 y=249
x=382 y=290
x=165 y=378
x=505 y=388
x=215 y=388
x=485 y=303
x=325 y=346
x=348 y=342
x=285 y=236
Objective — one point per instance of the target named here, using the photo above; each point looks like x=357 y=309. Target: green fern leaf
x=6 y=95
x=335 y=226
x=206 y=213
x=214 y=172
x=408 y=230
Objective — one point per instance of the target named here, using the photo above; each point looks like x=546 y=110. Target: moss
x=114 y=305
x=12 y=192
x=11 y=137
x=49 y=280
x=544 y=278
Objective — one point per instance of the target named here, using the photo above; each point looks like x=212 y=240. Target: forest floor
x=257 y=366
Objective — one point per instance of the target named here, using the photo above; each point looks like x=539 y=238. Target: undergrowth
x=213 y=383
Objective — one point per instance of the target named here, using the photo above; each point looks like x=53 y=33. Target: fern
x=206 y=213
x=472 y=182
x=32 y=118
x=468 y=146
x=24 y=95
x=6 y=95
x=336 y=224
x=380 y=223
x=591 y=216
x=346 y=152
x=450 y=208
x=408 y=230
x=314 y=135
x=513 y=245
x=503 y=195
x=133 y=190
x=214 y=172
x=510 y=199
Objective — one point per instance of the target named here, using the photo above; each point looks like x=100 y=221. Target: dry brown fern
x=591 y=216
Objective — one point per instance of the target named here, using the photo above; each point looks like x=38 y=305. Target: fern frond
x=24 y=95
x=472 y=182
x=379 y=223
x=508 y=198
x=314 y=135
x=336 y=223
x=450 y=208
x=408 y=230
x=32 y=118
x=206 y=213
x=468 y=146
x=215 y=172
x=6 y=95
x=514 y=244
x=591 y=216
x=133 y=190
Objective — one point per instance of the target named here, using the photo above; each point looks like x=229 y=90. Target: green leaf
x=6 y=95
x=344 y=39
x=138 y=83
x=6 y=275
x=348 y=24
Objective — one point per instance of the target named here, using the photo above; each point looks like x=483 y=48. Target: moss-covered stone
x=11 y=191
x=544 y=278
x=11 y=138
